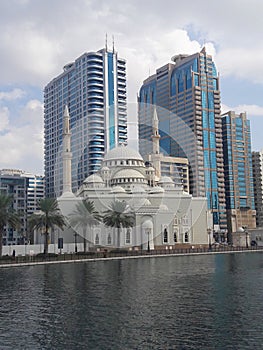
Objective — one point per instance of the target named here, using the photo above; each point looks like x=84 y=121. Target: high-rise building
x=94 y=89
x=187 y=99
x=26 y=190
x=238 y=171
x=257 y=166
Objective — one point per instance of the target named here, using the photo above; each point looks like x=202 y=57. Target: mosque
x=164 y=215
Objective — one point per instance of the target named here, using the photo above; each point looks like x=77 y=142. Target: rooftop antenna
x=113 y=43
x=106 y=42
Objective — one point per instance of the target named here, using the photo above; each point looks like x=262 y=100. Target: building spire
x=66 y=153
x=113 y=44
x=155 y=132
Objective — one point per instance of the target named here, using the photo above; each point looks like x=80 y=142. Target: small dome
x=105 y=168
x=123 y=152
x=128 y=173
x=93 y=179
x=156 y=189
x=166 y=180
x=240 y=229
x=118 y=189
x=150 y=169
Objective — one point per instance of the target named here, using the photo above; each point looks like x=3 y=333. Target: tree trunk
x=46 y=243
x=84 y=239
x=118 y=237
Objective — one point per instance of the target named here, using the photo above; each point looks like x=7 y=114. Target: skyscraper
x=238 y=171
x=257 y=166
x=94 y=88
x=186 y=93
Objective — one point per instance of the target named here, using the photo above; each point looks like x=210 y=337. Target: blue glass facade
x=188 y=104
x=237 y=161
x=94 y=88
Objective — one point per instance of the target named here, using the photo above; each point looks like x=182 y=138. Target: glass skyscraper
x=186 y=93
x=238 y=171
x=94 y=88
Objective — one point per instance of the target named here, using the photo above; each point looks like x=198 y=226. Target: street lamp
x=209 y=237
x=246 y=239
x=75 y=240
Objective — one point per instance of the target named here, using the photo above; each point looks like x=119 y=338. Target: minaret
x=66 y=153
x=155 y=134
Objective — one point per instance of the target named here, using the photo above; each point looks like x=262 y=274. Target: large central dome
x=123 y=153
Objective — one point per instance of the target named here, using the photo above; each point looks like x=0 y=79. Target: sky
x=39 y=37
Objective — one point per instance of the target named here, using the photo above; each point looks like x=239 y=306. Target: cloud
x=251 y=110
x=22 y=144
x=4 y=118
x=12 y=95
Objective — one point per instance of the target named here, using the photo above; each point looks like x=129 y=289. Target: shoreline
x=141 y=256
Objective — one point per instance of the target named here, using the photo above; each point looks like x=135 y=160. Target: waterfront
x=184 y=302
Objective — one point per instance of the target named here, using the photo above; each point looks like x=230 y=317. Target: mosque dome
x=118 y=189
x=93 y=179
x=240 y=229
x=166 y=180
x=128 y=173
x=105 y=168
x=156 y=189
x=123 y=153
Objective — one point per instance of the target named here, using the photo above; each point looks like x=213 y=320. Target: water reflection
x=190 y=302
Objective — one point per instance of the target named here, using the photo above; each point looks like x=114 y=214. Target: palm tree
x=7 y=216
x=48 y=217
x=119 y=216
x=83 y=217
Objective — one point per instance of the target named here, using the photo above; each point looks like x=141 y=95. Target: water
x=187 y=302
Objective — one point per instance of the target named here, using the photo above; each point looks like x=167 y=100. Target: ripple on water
x=191 y=302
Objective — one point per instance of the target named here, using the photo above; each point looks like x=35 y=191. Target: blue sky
x=39 y=37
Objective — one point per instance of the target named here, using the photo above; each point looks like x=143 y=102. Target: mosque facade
x=164 y=215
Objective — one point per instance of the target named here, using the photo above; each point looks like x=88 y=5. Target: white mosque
x=165 y=216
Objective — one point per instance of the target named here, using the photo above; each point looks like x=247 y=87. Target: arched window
x=165 y=236
x=109 y=239
x=97 y=240
x=186 y=237
x=128 y=236
x=175 y=236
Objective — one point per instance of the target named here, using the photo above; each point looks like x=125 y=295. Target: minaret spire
x=113 y=49
x=66 y=155
x=155 y=134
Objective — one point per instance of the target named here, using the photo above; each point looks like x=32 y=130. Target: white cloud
x=22 y=144
x=11 y=95
x=4 y=118
x=251 y=110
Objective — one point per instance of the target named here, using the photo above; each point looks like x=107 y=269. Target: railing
x=9 y=260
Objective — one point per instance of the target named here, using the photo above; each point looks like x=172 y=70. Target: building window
x=109 y=239
x=97 y=240
x=175 y=236
x=186 y=237
x=165 y=236
x=128 y=236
